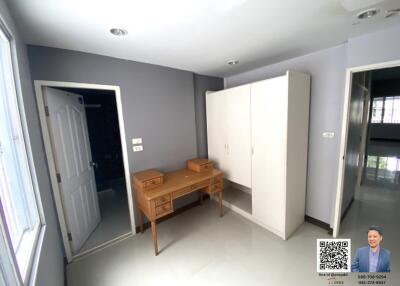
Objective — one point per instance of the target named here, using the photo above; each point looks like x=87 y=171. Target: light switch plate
x=328 y=135
x=138 y=148
x=136 y=141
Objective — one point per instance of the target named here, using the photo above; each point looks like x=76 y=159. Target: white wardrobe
x=258 y=135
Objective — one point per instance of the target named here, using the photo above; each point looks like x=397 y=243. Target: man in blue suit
x=372 y=258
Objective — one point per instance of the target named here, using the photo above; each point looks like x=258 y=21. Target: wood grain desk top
x=179 y=179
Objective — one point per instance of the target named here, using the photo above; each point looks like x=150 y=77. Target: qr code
x=333 y=255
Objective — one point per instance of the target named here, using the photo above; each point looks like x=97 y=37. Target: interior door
x=353 y=138
x=70 y=141
x=216 y=138
x=269 y=130
x=238 y=134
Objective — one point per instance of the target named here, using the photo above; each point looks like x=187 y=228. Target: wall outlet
x=138 y=148
x=136 y=141
x=328 y=135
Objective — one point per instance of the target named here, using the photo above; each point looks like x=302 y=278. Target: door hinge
x=58 y=178
x=69 y=236
x=46 y=111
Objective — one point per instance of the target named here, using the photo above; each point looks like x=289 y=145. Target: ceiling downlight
x=233 y=62
x=366 y=14
x=392 y=12
x=118 y=32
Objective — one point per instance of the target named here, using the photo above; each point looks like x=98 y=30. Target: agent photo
x=372 y=258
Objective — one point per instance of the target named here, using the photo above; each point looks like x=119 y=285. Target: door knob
x=93 y=164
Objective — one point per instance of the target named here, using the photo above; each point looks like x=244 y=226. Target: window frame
x=34 y=253
x=383 y=110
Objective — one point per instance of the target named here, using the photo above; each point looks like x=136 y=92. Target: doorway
x=85 y=143
x=369 y=184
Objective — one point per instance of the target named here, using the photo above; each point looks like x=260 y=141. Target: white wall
x=374 y=48
x=327 y=69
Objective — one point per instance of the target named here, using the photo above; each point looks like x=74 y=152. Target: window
x=17 y=193
x=383 y=169
x=386 y=110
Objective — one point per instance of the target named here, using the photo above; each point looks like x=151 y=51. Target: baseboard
x=384 y=139
x=180 y=210
x=319 y=223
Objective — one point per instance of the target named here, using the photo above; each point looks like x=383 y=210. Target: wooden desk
x=155 y=192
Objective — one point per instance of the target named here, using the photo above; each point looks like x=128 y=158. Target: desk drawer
x=152 y=183
x=217 y=179
x=216 y=188
x=163 y=209
x=200 y=185
x=181 y=192
x=162 y=200
x=206 y=167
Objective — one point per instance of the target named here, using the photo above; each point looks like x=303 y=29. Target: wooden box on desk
x=199 y=165
x=148 y=179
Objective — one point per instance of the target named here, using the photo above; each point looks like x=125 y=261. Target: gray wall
x=327 y=69
x=327 y=92
x=374 y=48
x=384 y=131
x=201 y=85
x=50 y=260
x=158 y=102
x=164 y=106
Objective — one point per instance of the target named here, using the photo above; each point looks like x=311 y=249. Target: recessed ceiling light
x=233 y=62
x=368 y=13
x=392 y=12
x=119 y=32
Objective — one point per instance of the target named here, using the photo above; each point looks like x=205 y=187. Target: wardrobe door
x=216 y=138
x=237 y=123
x=268 y=129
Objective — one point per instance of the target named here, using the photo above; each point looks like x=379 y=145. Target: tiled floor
x=199 y=248
x=378 y=202
x=238 y=198
x=114 y=219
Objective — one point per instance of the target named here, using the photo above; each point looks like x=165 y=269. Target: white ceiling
x=199 y=36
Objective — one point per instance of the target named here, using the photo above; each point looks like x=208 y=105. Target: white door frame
x=39 y=85
x=343 y=140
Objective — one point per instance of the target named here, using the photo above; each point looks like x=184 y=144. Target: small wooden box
x=200 y=165
x=148 y=179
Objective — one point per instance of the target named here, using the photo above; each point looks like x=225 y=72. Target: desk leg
x=154 y=233
x=221 y=208
x=140 y=217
